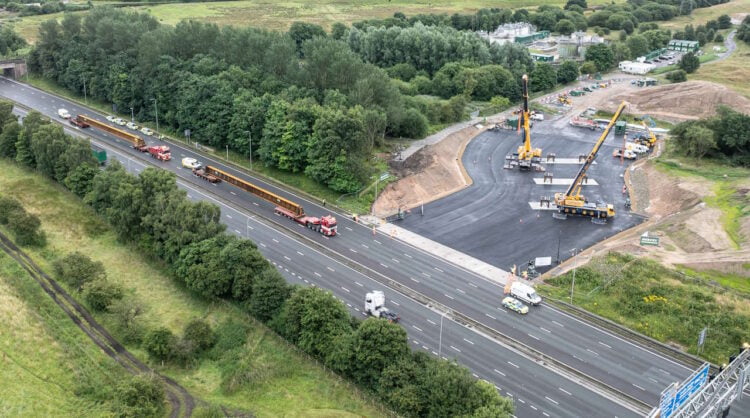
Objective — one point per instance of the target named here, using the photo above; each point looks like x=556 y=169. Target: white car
x=132 y=126
x=63 y=113
x=147 y=131
x=120 y=121
x=191 y=163
x=111 y=118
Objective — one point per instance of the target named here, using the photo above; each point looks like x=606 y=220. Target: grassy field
x=662 y=303
x=703 y=15
x=48 y=365
x=292 y=385
x=733 y=72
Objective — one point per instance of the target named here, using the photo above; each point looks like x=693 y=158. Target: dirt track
x=181 y=402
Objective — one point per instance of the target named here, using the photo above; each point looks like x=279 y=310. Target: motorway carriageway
x=626 y=366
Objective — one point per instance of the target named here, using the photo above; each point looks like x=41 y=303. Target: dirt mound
x=681 y=101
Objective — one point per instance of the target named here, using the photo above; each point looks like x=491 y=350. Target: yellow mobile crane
x=651 y=141
x=527 y=157
x=572 y=202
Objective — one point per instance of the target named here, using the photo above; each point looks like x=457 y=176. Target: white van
x=525 y=293
x=636 y=148
x=63 y=113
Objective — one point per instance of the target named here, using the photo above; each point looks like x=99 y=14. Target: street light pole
x=156 y=106
x=227 y=152
x=132 y=115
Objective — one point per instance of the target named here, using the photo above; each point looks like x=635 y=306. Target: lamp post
x=156 y=106
x=250 y=141
x=132 y=115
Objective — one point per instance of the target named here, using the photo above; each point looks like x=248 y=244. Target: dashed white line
x=300 y=253
x=433 y=323
x=383 y=265
x=533 y=407
x=424 y=347
x=434 y=353
x=653 y=380
x=558 y=324
x=330 y=268
x=349 y=305
x=604 y=344
x=448 y=296
x=229 y=216
x=514 y=365
x=468 y=341
x=502 y=310
x=287 y=258
x=395 y=260
x=638 y=387
x=521 y=400
x=353 y=250
x=359 y=284
x=545 y=330
x=461 y=291
x=255 y=204
x=475 y=375
x=237 y=231
x=438 y=270
x=407 y=255
x=377 y=241
x=275 y=240
x=533 y=336
x=551 y=400
x=565 y=391
x=395 y=303
x=250 y=227
x=348 y=228
x=545 y=414
x=426 y=274
x=417 y=328
x=345 y=289
x=472 y=285
x=455 y=349
x=499 y=372
x=414 y=280
x=490 y=316
x=365 y=246
x=233 y=193
x=317 y=274
x=592 y=351
x=262 y=245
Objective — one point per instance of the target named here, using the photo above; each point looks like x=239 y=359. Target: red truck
x=325 y=225
x=201 y=173
x=160 y=152
x=79 y=122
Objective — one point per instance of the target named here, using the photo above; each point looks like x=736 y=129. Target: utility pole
x=559 y=234
x=227 y=152
x=132 y=115
x=156 y=106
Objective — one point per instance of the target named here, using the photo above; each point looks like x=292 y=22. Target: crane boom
x=572 y=202
x=526 y=157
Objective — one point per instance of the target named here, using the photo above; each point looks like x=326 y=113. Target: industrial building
x=683 y=46
x=633 y=67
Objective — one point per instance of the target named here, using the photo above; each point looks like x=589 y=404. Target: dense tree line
x=43 y=7
x=318 y=114
x=743 y=33
x=149 y=211
x=725 y=136
x=10 y=41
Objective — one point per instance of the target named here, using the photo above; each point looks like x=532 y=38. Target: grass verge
x=49 y=367
x=732 y=72
x=661 y=303
x=291 y=384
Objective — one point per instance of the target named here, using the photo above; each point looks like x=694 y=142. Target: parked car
x=111 y=118
x=147 y=131
x=132 y=126
x=120 y=121
x=191 y=163
x=515 y=305
x=63 y=113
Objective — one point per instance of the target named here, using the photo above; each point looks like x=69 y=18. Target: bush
x=199 y=335
x=270 y=290
x=414 y=124
x=677 y=76
x=26 y=229
x=9 y=208
x=229 y=336
x=719 y=38
x=100 y=294
x=141 y=396
x=160 y=344
x=689 y=62
x=128 y=320
x=77 y=269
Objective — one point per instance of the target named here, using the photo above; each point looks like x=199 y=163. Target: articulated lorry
x=325 y=225
x=83 y=121
x=375 y=306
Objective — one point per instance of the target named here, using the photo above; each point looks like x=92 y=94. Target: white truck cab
x=525 y=293
x=63 y=113
x=375 y=306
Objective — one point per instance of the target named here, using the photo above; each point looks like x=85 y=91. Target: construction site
x=500 y=192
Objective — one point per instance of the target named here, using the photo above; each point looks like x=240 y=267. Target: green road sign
x=650 y=241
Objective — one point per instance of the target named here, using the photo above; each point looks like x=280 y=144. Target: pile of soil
x=679 y=102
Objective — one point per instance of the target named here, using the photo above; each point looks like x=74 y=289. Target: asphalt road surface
x=537 y=390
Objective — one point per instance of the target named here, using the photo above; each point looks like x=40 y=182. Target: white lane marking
x=499 y=372
x=353 y=250
x=468 y=341
x=653 y=380
x=604 y=344
x=665 y=372
x=592 y=351
x=414 y=280
x=349 y=305
x=275 y=240
x=407 y=255
x=417 y=328
x=638 y=387
x=383 y=265
x=533 y=336
x=395 y=303
x=545 y=414
x=237 y=231
x=472 y=285
x=502 y=310
x=461 y=291
x=425 y=347
x=490 y=316
x=448 y=296
x=545 y=330
x=348 y=228
x=263 y=245
x=514 y=365
x=365 y=246
x=359 y=284
x=250 y=227
x=578 y=358
x=455 y=349
x=426 y=274
x=551 y=400
x=521 y=400
x=345 y=289
x=438 y=270
x=533 y=407
x=317 y=274
x=377 y=241
x=565 y=392
x=330 y=268
x=300 y=253
x=433 y=323
x=395 y=260
x=287 y=258
x=233 y=193
x=189 y=196
x=229 y=216
x=255 y=204
x=434 y=353
x=307 y=281
x=558 y=324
